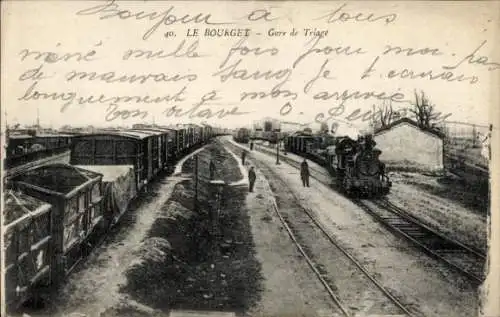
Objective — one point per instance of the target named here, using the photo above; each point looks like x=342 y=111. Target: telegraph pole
x=278 y=149
x=196 y=182
x=474 y=135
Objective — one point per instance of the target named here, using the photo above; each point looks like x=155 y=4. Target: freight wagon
x=75 y=219
x=117 y=148
x=242 y=135
x=71 y=207
x=27 y=237
x=24 y=148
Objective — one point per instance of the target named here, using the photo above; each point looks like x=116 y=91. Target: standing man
x=304 y=173
x=251 y=145
x=212 y=169
x=243 y=156
x=251 y=178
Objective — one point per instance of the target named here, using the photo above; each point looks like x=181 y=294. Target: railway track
x=291 y=213
x=464 y=259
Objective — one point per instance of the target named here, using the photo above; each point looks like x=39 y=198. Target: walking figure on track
x=212 y=169
x=251 y=146
x=243 y=156
x=251 y=178
x=304 y=173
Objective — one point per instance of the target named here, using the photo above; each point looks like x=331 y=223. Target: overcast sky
x=456 y=29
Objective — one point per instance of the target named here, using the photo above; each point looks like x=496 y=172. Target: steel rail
x=418 y=224
x=318 y=224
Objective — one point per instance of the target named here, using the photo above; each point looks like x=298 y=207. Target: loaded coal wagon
x=77 y=216
x=118 y=188
x=27 y=238
x=117 y=148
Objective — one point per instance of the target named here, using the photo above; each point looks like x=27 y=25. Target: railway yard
x=198 y=242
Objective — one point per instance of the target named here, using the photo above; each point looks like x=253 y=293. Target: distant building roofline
x=393 y=124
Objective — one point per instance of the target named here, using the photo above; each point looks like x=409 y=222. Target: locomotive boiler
x=354 y=164
x=357 y=167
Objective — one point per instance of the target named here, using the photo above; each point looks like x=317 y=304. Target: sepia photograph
x=250 y=158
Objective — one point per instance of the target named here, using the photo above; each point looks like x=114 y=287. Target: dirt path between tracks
x=95 y=287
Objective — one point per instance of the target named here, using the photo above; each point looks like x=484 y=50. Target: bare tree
x=424 y=111
x=383 y=115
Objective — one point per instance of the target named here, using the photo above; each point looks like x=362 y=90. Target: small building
x=405 y=145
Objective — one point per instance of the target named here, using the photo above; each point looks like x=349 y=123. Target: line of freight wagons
x=54 y=214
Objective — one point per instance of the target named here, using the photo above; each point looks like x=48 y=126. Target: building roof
x=401 y=121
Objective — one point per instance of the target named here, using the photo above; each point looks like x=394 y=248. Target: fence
x=465 y=135
x=466 y=148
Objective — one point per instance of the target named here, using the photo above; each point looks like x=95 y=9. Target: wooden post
x=277 y=150
x=217 y=189
x=196 y=182
x=474 y=136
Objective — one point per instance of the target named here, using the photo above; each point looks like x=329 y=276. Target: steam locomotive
x=354 y=164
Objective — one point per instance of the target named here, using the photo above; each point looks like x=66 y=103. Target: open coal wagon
x=77 y=221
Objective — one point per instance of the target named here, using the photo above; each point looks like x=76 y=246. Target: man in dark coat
x=243 y=156
x=251 y=145
x=251 y=178
x=212 y=169
x=304 y=173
